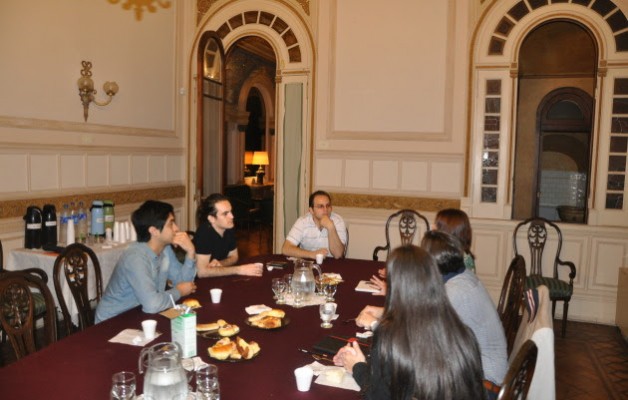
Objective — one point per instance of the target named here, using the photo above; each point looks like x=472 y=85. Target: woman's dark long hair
x=456 y=222
x=430 y=352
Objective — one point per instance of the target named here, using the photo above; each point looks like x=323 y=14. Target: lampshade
x=248 y=157
x=260 y=158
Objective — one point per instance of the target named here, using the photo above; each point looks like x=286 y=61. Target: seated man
x=471 y=301
x=140 y=275
x=215 y=241
x=319 y=232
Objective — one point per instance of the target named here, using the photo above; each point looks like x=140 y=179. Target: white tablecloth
x=35 y=258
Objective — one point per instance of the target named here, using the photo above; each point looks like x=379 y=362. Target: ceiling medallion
x=139 y=5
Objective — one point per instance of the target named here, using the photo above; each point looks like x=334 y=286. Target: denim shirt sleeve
x=178 y=272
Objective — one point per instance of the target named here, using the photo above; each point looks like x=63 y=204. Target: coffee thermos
x=32 y=228
x=98 y=218
x=109 y=214
x=49 y=226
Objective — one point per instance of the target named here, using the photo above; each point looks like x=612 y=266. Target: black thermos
x=49 y=226
x=32 y=231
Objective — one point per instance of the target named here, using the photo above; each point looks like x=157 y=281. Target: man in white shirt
x=320 y=231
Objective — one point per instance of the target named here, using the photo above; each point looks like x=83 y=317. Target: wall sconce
x=87 y=92
x=260 y=158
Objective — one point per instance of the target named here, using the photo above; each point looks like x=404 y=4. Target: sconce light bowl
x=86 y=89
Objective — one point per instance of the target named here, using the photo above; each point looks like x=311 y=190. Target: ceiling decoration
x=139 y=6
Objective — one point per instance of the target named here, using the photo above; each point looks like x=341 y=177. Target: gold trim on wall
x=392 y=202
x=139 y=6
x=16 y=208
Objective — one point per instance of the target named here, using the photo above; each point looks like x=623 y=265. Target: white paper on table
x=192 y=363
x=366 y=286
x=134 y=337
x=256 y=309
x=314 y=300
x=322 y=379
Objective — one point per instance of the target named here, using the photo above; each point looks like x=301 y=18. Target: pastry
x=268 y=323
x=228 y=330
x=192 y=303
x=212 y=326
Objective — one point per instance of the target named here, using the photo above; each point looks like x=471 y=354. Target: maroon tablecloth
x=80 y=366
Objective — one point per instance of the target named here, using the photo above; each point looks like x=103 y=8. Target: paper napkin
x=134 y=337
x=256 y=309
x=328 y=375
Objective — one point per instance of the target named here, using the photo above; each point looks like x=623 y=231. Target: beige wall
x=46 y=149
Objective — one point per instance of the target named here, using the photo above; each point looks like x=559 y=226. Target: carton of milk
x=183 y=330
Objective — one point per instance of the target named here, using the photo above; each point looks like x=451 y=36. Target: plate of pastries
x=271 y=319
x=233 y=350
x=218 y=329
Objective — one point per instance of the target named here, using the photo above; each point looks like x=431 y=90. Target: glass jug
x=303 y=277
x=165 y=377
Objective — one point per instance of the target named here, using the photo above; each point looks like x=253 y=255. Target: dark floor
x=591 y=362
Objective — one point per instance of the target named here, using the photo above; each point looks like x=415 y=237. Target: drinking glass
x=298 y=291
x=327 y=311
x=207 y=386
x=330 y=291
x=288 y=279
x=279 y=287
x=123 y=386
x=319 y=286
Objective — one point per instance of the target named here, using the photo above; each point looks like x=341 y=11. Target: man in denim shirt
x=141 y=273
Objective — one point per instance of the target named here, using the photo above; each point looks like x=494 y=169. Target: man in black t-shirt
x=215 y=242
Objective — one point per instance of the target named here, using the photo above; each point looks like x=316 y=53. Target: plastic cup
x=304 y=376
x=319 y=259
x=149 y=326
x=216 y=294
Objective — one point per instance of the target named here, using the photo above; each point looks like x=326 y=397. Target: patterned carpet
x=591 y=362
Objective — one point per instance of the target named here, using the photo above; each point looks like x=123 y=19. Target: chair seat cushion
x=39 y=304
x=558 y=289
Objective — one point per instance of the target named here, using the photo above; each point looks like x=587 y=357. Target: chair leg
x=553 y=308
x=565 y=310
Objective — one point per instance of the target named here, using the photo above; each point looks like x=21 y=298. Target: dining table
x=81 y=366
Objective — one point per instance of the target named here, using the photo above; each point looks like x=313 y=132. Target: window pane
x=489 y=176
x=491 y=123
x=489 y=195
x=617 y=163
x=619 y=144
x=614 y=201
x=491 y=141
x=493 y=86
x=490 y=159
x=492 y=105
x=620 y=105
x=619 y=125
x=615 y=182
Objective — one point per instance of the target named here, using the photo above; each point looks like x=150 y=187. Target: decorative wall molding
x=139 y=6
x=52 y=125
x=16 y=208
x=392 y=202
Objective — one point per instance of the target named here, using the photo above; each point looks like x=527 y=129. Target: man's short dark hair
x=151 y=213
x=318 y=193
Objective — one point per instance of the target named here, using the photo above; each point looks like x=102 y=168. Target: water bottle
x=73 y=213
x=81 y=225
x=109 y=214
x=63 y=223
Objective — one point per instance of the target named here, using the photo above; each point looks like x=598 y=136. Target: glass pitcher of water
x=303 y=277
x=165 y=377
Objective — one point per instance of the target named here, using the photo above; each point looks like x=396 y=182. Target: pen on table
x=173 y=303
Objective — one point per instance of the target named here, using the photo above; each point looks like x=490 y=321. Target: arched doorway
x=285 y=31
x=556 y=84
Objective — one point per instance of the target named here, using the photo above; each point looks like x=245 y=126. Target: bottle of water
x=81 y=230
x=63 y=224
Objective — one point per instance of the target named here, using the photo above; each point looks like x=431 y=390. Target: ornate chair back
x=72 y=265
x=17 y=311
x=538 y=231
x=408 y=226
x=511 y=299
x=519 y=375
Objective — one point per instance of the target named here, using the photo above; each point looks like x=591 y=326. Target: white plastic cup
x=304 y=376
x=319 y=259
x=216 y=294
x=70 y=233
x=149 y=326
x=109 y=235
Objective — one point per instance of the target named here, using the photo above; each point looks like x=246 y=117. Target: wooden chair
x=511 y=299
x=538 y=230
x=408 y=228
x=519 y=376
x=17 y=311
x=73 y=265
x=40 y=305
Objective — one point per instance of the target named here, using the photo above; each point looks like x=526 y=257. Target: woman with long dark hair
x=421 y=349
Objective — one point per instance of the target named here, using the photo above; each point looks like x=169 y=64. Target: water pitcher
x=304 y=276
x=164 y=377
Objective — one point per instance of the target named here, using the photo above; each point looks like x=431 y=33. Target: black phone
x=277 y=264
